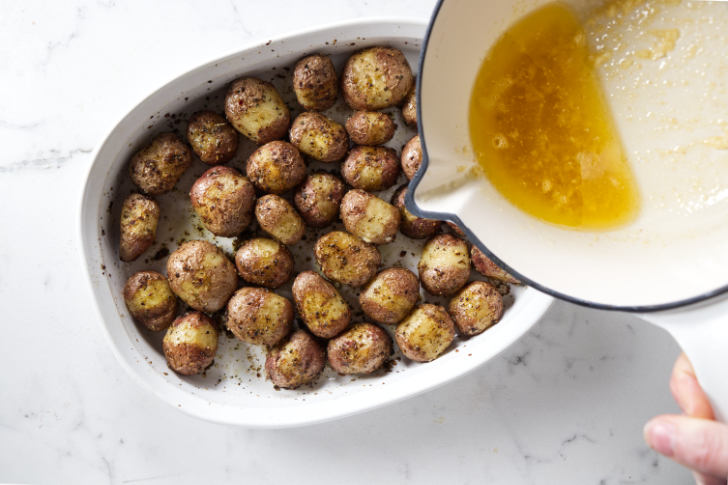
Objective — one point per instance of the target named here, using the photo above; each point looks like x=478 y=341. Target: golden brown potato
x=149 y=300
x=276 y=167
x=157 y=167
x=256 y=110
x=259 y=316
x=211 y=137
x=138 y=226
x=318 y=199
x=362 y=349
x=426 y=333
x=223 y=200
x=444 y=266
x=485 y=266
x=201 y=275
x=376 y=78
x=264 y=262
x=371 y=168
x=347 y=259
x=296 y=361
x=320 y=306
x=409 y=108
x=370 y=128
x=390 y=296
x=411 y=225
x=279 y=219
x=369 y=217
x=190 y=344
x=315 y=82
x=411 y=157
x=319 y=137
x=476 y=308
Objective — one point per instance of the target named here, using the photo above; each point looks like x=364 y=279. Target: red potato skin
x=411 y=157
x=308 y=359
x=225 y=211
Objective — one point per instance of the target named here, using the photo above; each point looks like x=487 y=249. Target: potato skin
x=476 y=308
x=211 y=137
x=370 y=128
x=319 y=137
x=376 y=78
x=456 y=230
x=346 y=259
x=362 y=349
x=426 y=333
x=138 y=226
x=264 y=262
x=201 y=275
x=297 y=360
x=369 y=217
x=259 y=316
x=157 y=167
x=223 y=200
x=411 y=225
x=485 y=266
x=149 y=300
x=371 y=168
x=256 y=110
x=279 y=219
x=315 y=83
x=411 y=157
x=320 y=306
x=190 y=343
x=276 y=167
x=390 y=296
x=409 y=108
x=444 y=266
x=319 y=198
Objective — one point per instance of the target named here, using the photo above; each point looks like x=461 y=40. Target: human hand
x=693 y=439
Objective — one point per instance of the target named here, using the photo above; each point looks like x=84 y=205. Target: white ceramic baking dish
x=235 y=390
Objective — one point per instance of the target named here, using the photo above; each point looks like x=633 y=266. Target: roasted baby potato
x=371 y=168
x=411 y=225
x=201 y=275
x=264 y=262
x=346 y=259
x=315 y=82
x=279 y=219
x=319 y=198
x=149 y=300
x=256 y=110
x=369 y=217
x=426 y=333
x=362 y=349
x=297 y=360
x=259 y=316
x=376 y=78
x=485 y=266
x=138 y=226
x=320 y=306
x=223 y=200
x=370 y=128
x=411 y=157
x=319 y=137
x=476 y=308
x=190 y=344
x=455 y=229
x=276 y=167
x=444 y=266
x=390 y=296
x=157 y=167
x=211 y=137
x=409 y=108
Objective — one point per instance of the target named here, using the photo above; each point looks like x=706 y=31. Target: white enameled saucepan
x=234 y=390
x=669 y=98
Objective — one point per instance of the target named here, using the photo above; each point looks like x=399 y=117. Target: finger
x=701 y=479
x=687 y=391
x=699 y=444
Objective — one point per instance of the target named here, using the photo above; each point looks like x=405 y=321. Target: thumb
x=699 y=444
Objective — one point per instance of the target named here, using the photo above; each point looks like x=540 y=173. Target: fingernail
x=658 y=434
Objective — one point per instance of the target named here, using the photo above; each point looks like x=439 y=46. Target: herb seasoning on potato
x=370 y=128
x=320 y=305
x=259 y=316
x=264 y=262
x=376 y=78
x=157 y=167
x=362 y=349
x=138 y=226
x=485 y=266
x=190 y=344
x=411 y=225
x=276 y=167
x=476 y=308
x=347 y=259
x=444 y=266
x=223 y=200
x=426 y=333
x=319 y=137
x=390 y=296
x=256 y=110
x=371 y=168
x=319 y=198
x=150 y=300
x=211 y=137
x=369 y=217
x=279 y=219
x=297 y=360
x=315 y=83
x=411 y=157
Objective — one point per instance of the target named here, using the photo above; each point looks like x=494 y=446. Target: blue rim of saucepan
x=445 y=216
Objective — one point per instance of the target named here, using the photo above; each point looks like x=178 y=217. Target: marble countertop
x=566 y=404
